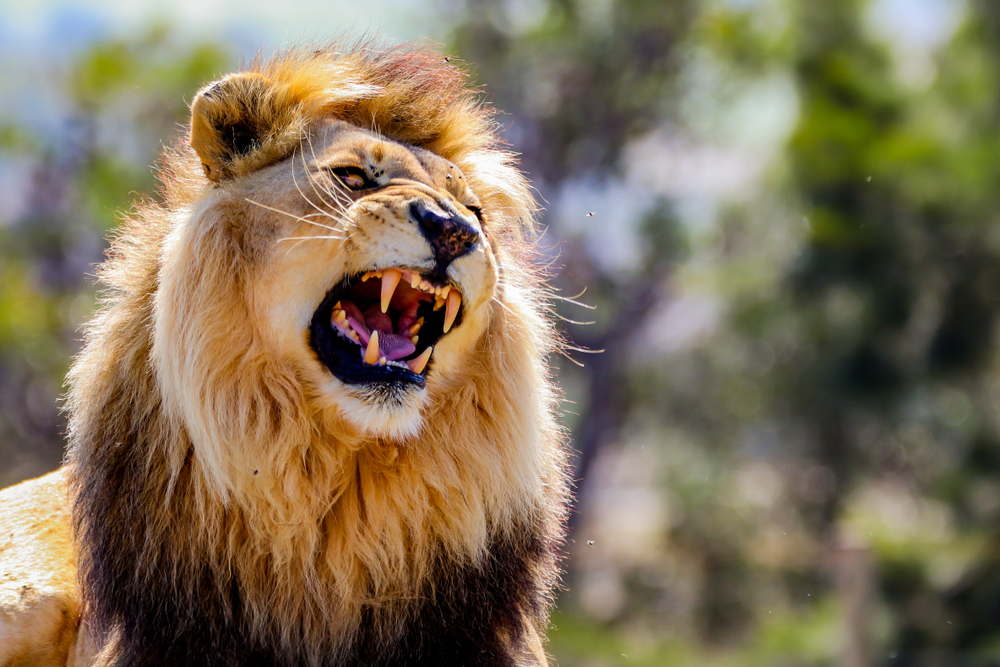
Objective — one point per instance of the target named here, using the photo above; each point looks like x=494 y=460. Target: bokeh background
x=785 y=217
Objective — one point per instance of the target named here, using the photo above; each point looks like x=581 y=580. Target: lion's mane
x=209 y=501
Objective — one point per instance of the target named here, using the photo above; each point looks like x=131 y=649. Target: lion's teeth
x=438 y=302
x=372 y=354
x=420 y=363
x=382 y=361
x=414 y=338
x=445 y=291
x=451 y=312
x=365 y=277
x=415 y=327
x=415 y=280
x=389 y=281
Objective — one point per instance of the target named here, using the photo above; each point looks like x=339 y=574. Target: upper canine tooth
x=451 y=311
x=372 y=354
x=389 y=281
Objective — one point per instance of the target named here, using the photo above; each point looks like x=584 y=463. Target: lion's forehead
x=386 y=158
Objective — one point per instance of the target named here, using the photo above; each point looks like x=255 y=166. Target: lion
x=313 y=421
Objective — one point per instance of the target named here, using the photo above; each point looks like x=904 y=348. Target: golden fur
x=213 y=457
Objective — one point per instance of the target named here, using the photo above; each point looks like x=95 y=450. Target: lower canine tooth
x=372 y=354
x=420 y=363
x=451 y=312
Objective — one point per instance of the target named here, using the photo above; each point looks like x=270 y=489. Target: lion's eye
x=353 y=178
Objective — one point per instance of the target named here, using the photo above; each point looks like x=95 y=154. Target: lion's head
x=321 y=369
x=378 y=249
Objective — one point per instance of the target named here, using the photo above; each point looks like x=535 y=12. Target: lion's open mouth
x=382 y=326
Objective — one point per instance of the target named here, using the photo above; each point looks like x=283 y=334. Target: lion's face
x=379 y=274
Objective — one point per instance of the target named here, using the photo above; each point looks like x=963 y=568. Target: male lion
x=312 y=423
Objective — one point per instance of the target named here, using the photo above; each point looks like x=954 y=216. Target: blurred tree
x=880 y=381
x=895 y=295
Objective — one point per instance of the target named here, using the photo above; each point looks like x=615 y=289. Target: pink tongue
x=392 y=346
x=395 y=347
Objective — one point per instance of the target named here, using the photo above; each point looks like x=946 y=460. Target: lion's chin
x=392 y=411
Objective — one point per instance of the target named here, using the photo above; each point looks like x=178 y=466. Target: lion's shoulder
x=39 y=598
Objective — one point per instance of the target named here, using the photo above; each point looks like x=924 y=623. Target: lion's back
x=39 y=597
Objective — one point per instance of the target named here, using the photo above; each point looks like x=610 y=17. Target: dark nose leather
x=449 y=235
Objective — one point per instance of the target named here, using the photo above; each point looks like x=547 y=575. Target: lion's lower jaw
x=387 y=411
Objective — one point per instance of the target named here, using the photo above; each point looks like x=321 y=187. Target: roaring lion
x=312 y=423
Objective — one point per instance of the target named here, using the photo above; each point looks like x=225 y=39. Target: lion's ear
x=244 y=122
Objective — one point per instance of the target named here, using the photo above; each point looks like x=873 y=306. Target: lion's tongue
x=392 y=346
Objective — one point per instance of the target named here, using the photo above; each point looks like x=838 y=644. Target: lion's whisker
x=293 y=216
x=563 y=353
x=318 y=237
x=339 y=198
x=495 y=298
x=303 y=194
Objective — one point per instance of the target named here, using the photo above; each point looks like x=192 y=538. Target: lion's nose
x=450 y=236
